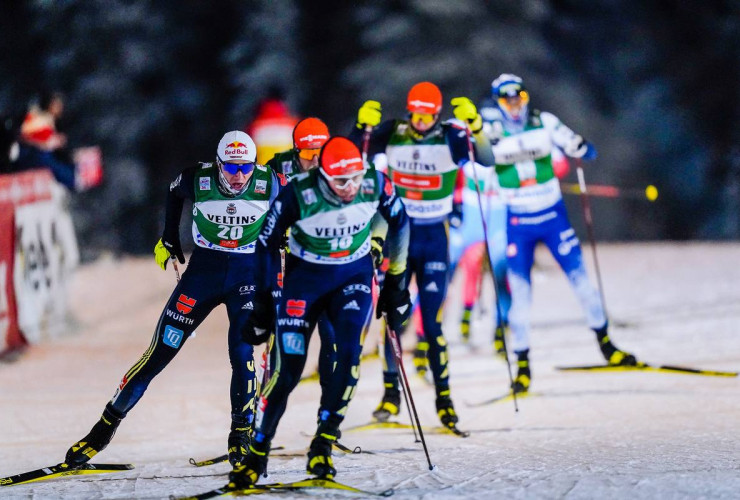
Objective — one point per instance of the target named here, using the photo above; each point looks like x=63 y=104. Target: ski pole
x=590 y=230
x=405 y=396
x=366 y=141
x=405 y=382
x=177 y=271
x=499 y=314
x=650 y=193
x=403 y=388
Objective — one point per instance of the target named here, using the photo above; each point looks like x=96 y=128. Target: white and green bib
x=422 y=171
x=331 y=233
x=524 y=167
x=229 y=224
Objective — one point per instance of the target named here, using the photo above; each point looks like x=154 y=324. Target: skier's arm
x=378 y=232
x=563 y=137
x=169 y=245
x=284 y=211
x=457 y=140
x=392 y=210
x=379 y=137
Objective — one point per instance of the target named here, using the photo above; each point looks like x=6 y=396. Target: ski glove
x=376 y=250
x=456 y=216
x=369 y=114
x=261 y=322
x=394 y=300
x=578 y=147
x=166 y=250
x=465 y=111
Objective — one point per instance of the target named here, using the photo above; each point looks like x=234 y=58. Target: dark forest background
x=654 y=84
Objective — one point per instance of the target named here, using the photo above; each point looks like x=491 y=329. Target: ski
x=648 y=367
x=61 y=470
x=457 y=431
x=339 y=446
x=219 y=459
x=230 y=490
x=501 y=398
x=398 y=425
x=327 y=484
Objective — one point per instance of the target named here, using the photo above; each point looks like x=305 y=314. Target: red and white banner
x=38 y=251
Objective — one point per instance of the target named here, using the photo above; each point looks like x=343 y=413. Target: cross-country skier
x=230 y=200
x=329 y=269
x=309 y=136
x=469 y=234
x=521 y=151
x=423 y=155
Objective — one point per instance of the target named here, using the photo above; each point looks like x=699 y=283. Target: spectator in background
x=39 y=128
x=272 y=127
x=41 y=145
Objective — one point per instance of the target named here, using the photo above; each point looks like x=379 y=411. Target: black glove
x=261 y=322
x=394 y=300
x=376 y=250
x=456 y=216
x=172 y=243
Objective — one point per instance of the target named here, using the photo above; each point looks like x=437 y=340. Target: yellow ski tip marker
x=651 y=192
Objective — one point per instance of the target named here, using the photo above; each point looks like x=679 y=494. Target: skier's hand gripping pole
x=499 y=314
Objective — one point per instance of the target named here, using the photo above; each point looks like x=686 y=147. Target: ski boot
x=253 y=465
x=445 y=410
x=319 y=462
x=523 y=376
x=95 y=441
x=612 y=355
x=465 y=324
x=420 y=358
x=499 y=345
x=390 y=404
x=238 y=443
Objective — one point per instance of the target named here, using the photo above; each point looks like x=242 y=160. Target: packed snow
x=580 y=434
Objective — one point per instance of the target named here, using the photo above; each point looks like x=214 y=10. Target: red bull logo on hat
x=236 y=149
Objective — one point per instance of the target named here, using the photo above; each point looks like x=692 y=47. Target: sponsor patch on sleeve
x=205 y=183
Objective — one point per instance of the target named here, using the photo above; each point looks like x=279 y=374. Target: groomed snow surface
x=582 y=435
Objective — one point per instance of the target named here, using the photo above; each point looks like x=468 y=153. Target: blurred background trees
x=654 y=84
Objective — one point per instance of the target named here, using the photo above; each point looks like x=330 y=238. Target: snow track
x=584 y=435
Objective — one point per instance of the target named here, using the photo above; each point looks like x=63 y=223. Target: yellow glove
x=369 y=114
x=161 y=255
x=166 y=251
x=465 y=110
x=376 y=250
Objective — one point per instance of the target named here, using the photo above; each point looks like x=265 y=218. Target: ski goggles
x=308 y=154
x=425 y=118
x=522 y=94
x=351 y=180
x=234 y=168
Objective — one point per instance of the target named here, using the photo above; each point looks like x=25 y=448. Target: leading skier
x=230 y=201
